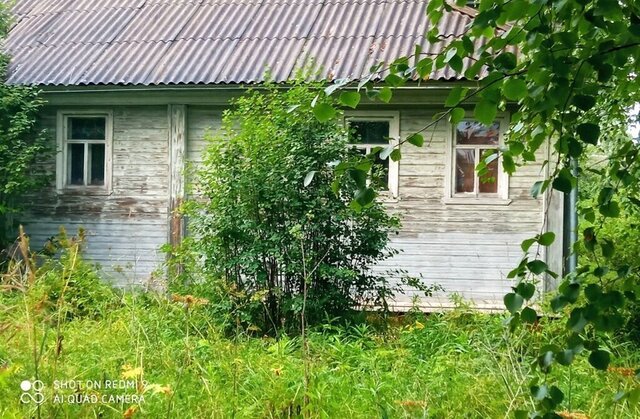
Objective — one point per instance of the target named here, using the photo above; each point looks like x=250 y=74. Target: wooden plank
x=177 y=146
x=555 y=223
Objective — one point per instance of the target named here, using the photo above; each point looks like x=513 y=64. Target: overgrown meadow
x=60 y=323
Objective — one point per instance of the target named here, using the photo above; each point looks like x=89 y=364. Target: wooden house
x=133 y=86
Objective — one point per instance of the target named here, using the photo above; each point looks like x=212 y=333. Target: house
x=133 y=86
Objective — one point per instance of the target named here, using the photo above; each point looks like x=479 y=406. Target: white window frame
x=501 y=197
x=393 y=117
x=62 y=185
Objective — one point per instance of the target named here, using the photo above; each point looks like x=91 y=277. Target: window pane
x=96 y=164
x=75 y=163
x=362 y=150
x=370 y=132
x=382 y=169
x=465 y=173
x=471 y=132
x=489 y=182
x=87 y=128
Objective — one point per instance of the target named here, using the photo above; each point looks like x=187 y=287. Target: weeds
x=64 y=325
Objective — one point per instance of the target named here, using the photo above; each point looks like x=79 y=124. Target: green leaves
x=599 y=359
x=350 y=99
x=584 y=102
x=485 y=112
x=385 y=94
x=565 y=357
x=505 y=61
x=526 y=290
x=457 y=115
x=529 y=315
x=539 y=187
x=588 y=133
x=545 y=239
x=455 y=96
x=359 y=177
x=537 y=267
x=424 y=67
x=280 y=167
x=416 y=139
x=386 y=152
x=610 y=209
x=564 y=181
x=577 y=321
x=394 y=80
x=513 y=302
x=324 y=112
x=514 y=89
x=608 y=248
x=365 y=196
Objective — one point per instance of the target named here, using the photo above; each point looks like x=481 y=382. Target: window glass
x=365 y=136
x=489 y=182
x=471 y=132
x=75 y=161
x=86 y=128
x=465 y=170
x=86 y=143
x=383 y=166
x=370 y=132
x=96 y=164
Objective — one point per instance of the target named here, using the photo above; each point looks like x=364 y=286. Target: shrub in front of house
x=263 y=230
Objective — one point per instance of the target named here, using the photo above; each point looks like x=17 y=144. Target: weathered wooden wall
x=468 y=249
x=126 y=227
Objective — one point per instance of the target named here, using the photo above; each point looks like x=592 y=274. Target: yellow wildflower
x=158 y=389
x=572 y=415
x=129 y=372
x=130 y=412
x=412 y=403
x=623 y=371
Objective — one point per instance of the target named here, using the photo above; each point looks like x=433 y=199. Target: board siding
x=466 y=249
x=125 y=228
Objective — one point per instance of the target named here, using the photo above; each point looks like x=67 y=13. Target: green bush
x=22 y=144
x=61 y=282
x=266 y=229
x=610 y=245
x=74 y=284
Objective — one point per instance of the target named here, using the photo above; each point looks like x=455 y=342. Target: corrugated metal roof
x=150 y=42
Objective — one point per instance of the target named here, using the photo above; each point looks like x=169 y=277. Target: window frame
x=501 y=197
x=62 y=158
x=393 y=117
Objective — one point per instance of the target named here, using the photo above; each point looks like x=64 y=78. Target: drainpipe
x=570 y=223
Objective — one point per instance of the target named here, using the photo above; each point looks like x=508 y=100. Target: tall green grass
x=59 y=322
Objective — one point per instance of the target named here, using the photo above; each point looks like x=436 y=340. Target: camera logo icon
x=32 y=392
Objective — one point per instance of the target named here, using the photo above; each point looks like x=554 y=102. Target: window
x=471 y=140
x=369 y=130
x=84 y=141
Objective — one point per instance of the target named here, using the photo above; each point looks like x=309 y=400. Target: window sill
x=389 y=199
x=463 y=200
x=84 y=191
